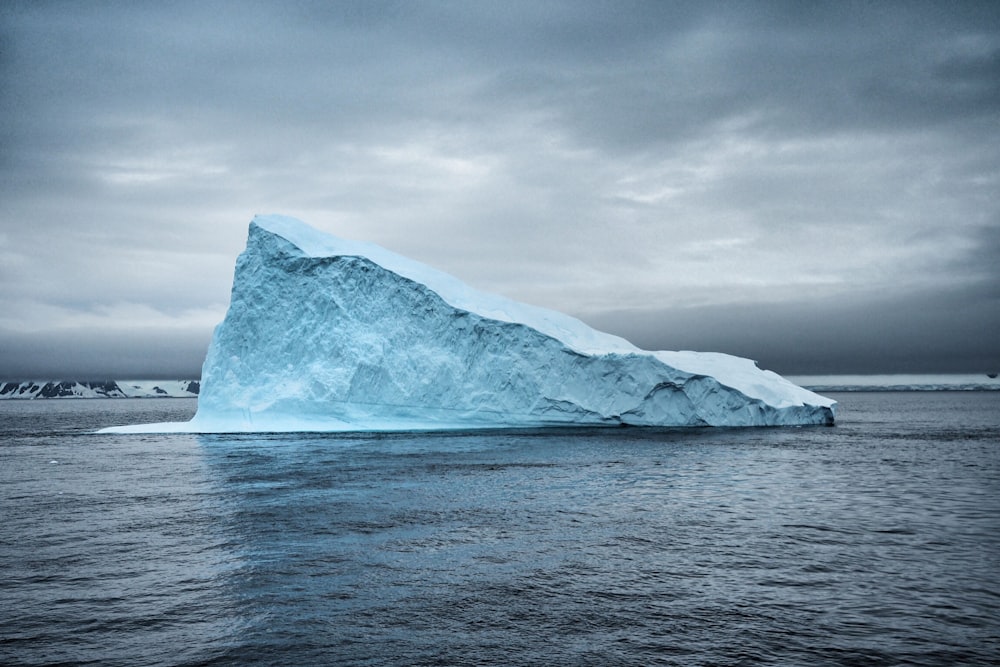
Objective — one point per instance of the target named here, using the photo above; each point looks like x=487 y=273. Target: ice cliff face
x=326 y=334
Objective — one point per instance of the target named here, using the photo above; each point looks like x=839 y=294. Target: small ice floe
x=53 y=461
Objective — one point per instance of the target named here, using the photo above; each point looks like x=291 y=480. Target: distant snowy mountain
x=954 y=382
x=105 y=389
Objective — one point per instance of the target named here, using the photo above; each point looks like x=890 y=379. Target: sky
x=815 y=186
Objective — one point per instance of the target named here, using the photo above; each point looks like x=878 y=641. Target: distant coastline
x=66 y=389
x=909 y=382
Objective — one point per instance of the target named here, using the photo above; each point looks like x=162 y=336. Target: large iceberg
x=325 y=334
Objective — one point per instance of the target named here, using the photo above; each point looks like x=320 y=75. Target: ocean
x=873 y=542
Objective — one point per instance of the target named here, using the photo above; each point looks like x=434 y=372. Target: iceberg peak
x=327 y=334
x=569 y=330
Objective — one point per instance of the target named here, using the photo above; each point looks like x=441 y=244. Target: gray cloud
x=658 y=168
x=927 y=331
x=97 y=355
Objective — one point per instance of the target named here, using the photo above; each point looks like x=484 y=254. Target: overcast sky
x=815 y=186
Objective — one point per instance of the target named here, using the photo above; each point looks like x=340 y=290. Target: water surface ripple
x=875 y=542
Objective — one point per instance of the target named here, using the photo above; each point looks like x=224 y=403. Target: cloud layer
x=810 y=185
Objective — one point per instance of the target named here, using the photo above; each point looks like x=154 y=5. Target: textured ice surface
x=324 y=334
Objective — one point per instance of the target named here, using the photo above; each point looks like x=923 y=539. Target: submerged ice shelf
x=324 y=334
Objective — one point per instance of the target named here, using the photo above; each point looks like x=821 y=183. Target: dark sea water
x=875 y=542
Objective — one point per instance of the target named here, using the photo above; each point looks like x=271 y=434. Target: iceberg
x=326 y=334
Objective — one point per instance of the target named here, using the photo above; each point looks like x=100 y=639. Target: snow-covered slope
x=328 y=334
x=105 y=389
